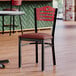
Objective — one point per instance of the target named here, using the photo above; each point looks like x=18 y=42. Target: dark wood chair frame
x=38 y=41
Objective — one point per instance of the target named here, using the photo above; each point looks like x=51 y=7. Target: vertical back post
x=54 y=23
x=35 y=20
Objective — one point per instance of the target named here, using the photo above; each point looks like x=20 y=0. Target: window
x=58 y=4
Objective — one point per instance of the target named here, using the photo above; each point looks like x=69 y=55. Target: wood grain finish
x=65 y=48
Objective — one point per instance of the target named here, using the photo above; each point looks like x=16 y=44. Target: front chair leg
x=42 y=56
x=36 y=51
x=19 y=52
x=53 y=53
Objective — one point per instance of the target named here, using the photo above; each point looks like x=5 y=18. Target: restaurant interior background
x=28 y=18
x=59 y=4
x=66 y=9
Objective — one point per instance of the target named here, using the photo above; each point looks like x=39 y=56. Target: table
x=10 y=13
x=2 y=63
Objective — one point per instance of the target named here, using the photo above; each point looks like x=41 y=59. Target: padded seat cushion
x=36 y=36
x=8 y=9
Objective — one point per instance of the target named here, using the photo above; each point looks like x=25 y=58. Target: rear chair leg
x=36 y=52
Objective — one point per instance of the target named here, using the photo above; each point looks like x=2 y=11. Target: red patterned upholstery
x=36 y=36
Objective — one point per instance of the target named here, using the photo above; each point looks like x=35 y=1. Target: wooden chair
x=12 y=8
x=46 y=13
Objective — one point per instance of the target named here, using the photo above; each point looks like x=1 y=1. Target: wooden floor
x=65 y=48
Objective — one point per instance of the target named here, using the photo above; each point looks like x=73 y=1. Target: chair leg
x=20 y=24
x=2 y=24
x=13 y=24
x=36 y=52
x=53 y=52
x=19 y=52
x=42 y=56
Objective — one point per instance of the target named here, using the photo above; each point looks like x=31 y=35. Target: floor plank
x=65 y=48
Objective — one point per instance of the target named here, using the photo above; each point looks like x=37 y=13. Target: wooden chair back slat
x=46 y=13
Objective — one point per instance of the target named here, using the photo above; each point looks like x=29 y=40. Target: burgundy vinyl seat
x=36 y=36
x=46 y=13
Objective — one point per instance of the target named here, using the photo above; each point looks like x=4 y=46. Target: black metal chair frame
x=38 y=41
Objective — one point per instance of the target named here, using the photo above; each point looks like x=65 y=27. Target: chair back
x=16 y=2
x=46 y=13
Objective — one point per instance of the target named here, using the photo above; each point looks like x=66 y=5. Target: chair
x=12 y=3
x=46 y=13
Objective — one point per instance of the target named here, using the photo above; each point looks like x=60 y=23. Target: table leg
x=10 y=25
x=13 y=24
x=20 y=23
x=2 y=24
